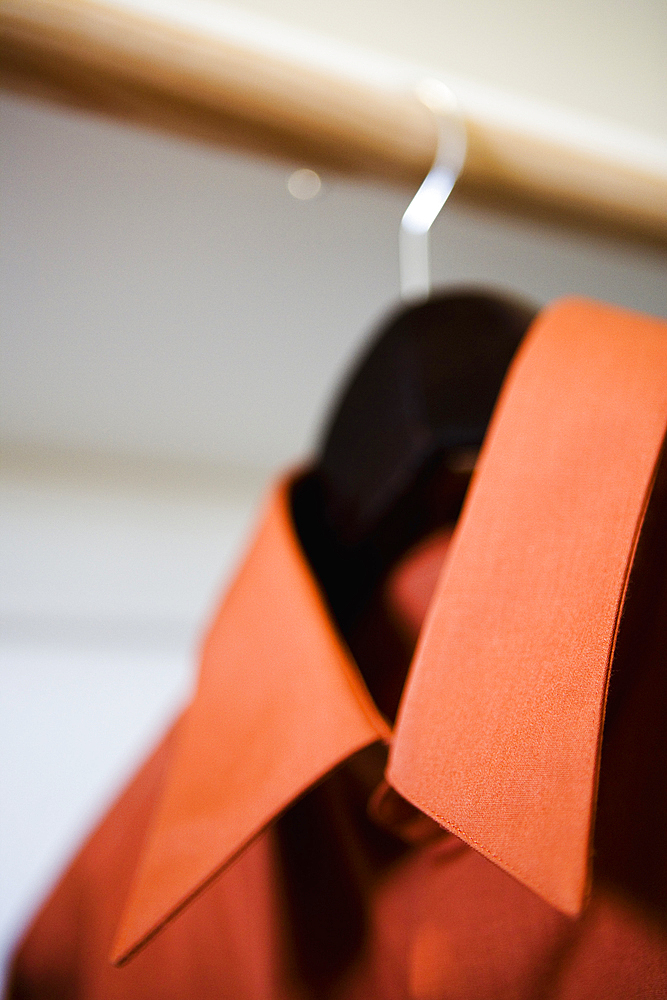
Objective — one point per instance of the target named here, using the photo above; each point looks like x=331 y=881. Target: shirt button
x=392 y=812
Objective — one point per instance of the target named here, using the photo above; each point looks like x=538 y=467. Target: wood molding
x=177 y=74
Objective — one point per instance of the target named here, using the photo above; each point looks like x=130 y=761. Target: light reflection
x=304 y=184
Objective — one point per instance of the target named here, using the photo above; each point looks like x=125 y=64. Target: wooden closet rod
x=218 y=74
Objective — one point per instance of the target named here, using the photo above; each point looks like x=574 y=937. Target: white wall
x=603 y=57
x=161 y=298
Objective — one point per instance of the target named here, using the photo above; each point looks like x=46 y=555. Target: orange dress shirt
x=285 y=842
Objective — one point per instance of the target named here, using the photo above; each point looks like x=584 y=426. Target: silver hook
x=435 y=189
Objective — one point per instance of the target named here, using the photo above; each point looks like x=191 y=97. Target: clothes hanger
x=395 y=458
x=392 y=466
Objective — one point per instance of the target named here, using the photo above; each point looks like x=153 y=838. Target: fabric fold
x=279 y=704
x=499 y=732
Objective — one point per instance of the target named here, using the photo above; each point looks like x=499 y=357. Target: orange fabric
x=499 y=734
x=498 y=739
x=279 y=704
x=411 y=584
x=442 y=923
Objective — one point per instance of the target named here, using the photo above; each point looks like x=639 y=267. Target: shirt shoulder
x=74 y=928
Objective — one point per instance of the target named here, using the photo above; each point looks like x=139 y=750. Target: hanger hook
x=435 y=189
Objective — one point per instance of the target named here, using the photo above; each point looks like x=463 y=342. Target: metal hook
x=435 y=189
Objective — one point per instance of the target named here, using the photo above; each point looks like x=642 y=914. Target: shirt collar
x=499 y=731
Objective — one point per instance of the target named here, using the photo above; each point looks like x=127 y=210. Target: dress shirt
x=262 y=853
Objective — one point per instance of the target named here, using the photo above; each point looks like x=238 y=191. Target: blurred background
x=174 y=323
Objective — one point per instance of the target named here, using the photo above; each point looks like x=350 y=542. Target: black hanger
x=388 y=467
x=388 y=471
